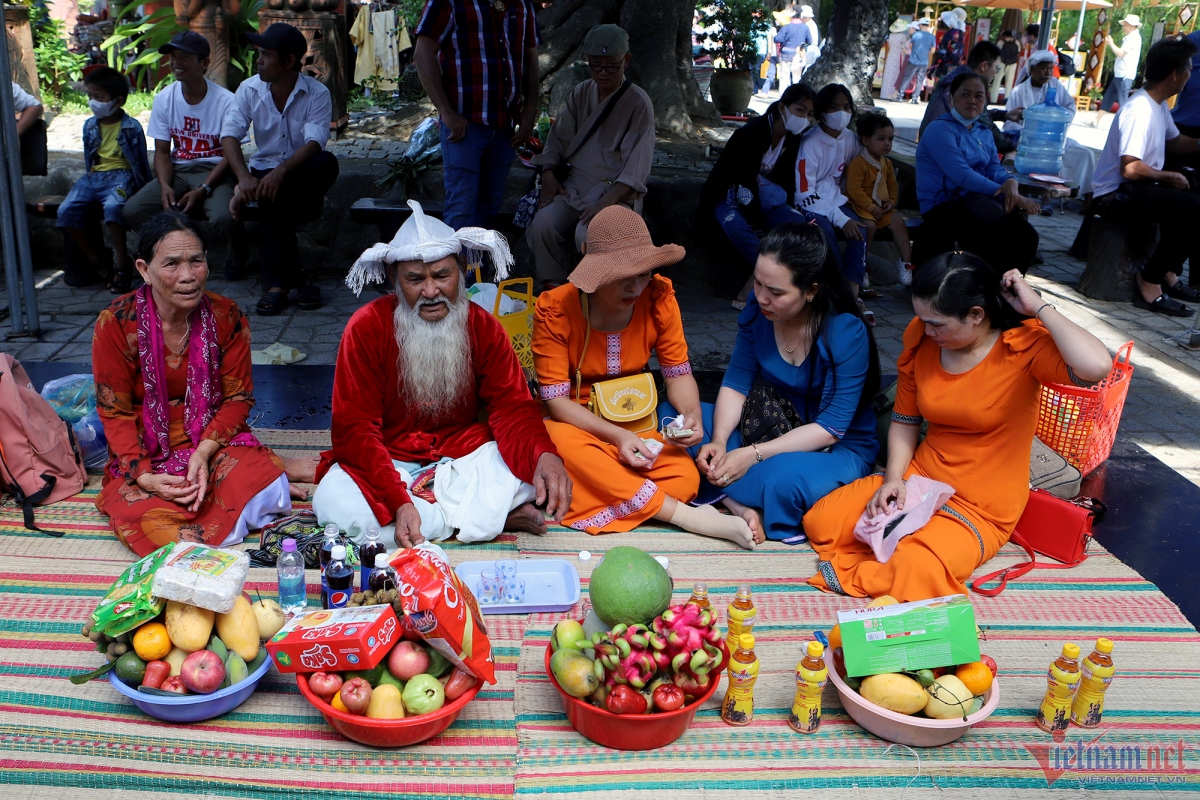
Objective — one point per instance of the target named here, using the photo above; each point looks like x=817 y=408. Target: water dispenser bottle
x=1044 y=136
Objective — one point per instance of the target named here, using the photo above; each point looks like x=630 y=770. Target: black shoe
x=235 y=270
x=1181 y=291
x=1163 y=305
x=271 y=303
x=308 y=297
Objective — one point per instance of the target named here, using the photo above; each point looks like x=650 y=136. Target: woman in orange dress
x=619 y=481
x=173 y=389
x=972 y=368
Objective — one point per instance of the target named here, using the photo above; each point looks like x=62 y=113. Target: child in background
x=114 y=155
x=871 y=186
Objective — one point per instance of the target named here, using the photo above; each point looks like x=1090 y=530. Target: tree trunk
x=660 y=39
x=856 y=33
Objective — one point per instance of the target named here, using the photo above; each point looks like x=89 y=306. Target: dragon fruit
x=629 y=654
x=694 y=648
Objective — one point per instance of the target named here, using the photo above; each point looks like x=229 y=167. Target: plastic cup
x=490 y=589
x=507 y=568
x=514 y=590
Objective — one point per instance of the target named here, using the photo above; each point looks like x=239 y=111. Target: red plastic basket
x=1080 y=424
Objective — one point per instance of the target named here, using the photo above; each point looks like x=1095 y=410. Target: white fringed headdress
x=428 y=239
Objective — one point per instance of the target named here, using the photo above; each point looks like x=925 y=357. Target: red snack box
x=335 y=639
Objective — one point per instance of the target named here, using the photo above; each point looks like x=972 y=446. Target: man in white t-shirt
x=1131 y=182
x=27 y=108
x=191 y=172
x=1125 y=68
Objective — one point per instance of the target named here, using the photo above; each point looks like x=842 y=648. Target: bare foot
x=751 y=515
x=296 y=492
x=526 y=518
x=301 y=470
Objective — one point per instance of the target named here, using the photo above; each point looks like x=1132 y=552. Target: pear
x=270 y=618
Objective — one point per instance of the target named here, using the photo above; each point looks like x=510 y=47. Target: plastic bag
x=442 y=610
x=484 y=295
x=425 y=140
x=129 y=602
x=72 y=397
x=93 y=445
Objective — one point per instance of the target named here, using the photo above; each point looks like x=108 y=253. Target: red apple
x=407 y=660
x=325 y=684
x=356 y=695
x=202 y=672
x=458 y=683
x=174 y=684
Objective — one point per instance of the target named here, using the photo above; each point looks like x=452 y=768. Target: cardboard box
x=909 y=636
x=335 y=639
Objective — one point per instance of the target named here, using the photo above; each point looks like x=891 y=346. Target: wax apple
x=325 y=684
x=356 y=695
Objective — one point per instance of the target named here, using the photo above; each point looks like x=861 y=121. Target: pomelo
x=629 y=587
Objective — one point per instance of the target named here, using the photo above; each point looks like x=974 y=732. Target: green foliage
x=74 y=102
x=739 y=24
x=133 y=47
x=411 y=11
x=242 y=54
x=405 y=170
x=56 y=65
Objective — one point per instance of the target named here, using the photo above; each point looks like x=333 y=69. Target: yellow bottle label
x=738 y=708
x=1055 y=711
x=1088 y=706
x=806 y=708
x=739 y=622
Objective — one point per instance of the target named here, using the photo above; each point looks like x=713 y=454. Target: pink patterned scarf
x=203 y=384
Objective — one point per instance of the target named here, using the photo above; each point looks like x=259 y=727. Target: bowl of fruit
x=413 y=694
x=642 y=685
x=192 y=664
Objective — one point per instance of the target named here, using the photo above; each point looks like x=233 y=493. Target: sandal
x=738 y=304
x=1181 y=291
x=868 y=314
x=271 y=303
x=1163 y=305
x=121 y=280
x=308 y=297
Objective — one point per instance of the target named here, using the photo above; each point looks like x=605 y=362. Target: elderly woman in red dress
x=173 y=389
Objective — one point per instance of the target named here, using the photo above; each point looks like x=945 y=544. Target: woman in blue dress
x=805 y=354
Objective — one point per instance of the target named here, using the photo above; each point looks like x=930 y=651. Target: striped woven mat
x=1153 y=704
x=58 y=740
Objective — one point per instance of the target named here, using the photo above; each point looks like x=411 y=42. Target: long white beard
x=434 y=366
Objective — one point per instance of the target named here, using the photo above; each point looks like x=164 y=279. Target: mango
x=894 y=692
x=258 y=660
x=386 y=703
x=175 y=659
x=189 y=627
x=949 y=698
x=882 y=601
x=235 y=669
x=217 y=646
x=574 y=672
x=239 y=629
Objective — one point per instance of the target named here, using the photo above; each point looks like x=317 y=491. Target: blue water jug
x=1044 y=136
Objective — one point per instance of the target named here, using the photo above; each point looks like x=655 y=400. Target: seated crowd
x=436 y=433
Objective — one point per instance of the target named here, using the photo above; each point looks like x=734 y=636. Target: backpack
x=39 y=460
x=1066 y=65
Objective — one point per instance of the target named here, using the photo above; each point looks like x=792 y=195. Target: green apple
x=424 y=694
x=439 y=665
x=386 y=677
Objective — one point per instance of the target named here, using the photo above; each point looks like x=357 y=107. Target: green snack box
x=128 y=602
x=920 y=635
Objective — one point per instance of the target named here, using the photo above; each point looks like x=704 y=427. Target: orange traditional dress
x=145 y=522
x=981 y=425
x=609 y=496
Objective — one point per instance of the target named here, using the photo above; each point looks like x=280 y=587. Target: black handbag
x=35 y=160
x=766 y=415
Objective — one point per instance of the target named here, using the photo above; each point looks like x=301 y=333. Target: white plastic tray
x=551 y=584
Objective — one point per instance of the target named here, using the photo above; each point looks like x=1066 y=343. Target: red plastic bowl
x=387 y=732
x=625 y=731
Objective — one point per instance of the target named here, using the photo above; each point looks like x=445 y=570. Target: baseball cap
x=187 y=42
x=282 y=38
x=606 y=40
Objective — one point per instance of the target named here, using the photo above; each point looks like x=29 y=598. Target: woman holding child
x=972 y=366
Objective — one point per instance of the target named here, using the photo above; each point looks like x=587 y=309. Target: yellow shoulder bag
x=630 y=402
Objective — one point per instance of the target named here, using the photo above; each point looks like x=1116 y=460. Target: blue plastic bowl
x=193 y=707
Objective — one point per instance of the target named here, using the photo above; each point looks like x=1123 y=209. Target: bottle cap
x=700 y=588
x=1071 y=650
x=331 y=530
x=339 y=554
x=666 y=563
x=1104 y=645
x=289 y=546
x=372 y=532
x=743 y=591
x=816 y=649
x=380 y=560
x=746 y=641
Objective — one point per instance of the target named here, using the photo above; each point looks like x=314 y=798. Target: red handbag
x=1059 y=529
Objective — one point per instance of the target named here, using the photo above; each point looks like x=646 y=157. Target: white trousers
x=1079 y=165
x=271 y=502
x=474 y=495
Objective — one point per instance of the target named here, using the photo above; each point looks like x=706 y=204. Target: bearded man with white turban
x=434 y=429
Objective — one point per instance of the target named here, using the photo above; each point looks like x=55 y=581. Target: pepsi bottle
x=366 y=555
x=339 y=579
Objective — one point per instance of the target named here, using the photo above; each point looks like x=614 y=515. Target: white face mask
x=837 y=120
x=102 y=110
x=794 y=124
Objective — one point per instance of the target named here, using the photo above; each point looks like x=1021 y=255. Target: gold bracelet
x=1038 y=315
x=757 y=454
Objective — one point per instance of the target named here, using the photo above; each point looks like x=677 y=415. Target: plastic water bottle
x=366 y=555
x=1063 y=680
x=293 y=594
x=811 y=674
x=1097 y=670
x=1044 y=136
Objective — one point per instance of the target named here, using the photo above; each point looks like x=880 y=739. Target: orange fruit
x=337 y=703
x=151 y=642
x=835 y=637
x=975 y=676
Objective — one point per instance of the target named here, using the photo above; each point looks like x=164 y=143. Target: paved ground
x=1162 y=413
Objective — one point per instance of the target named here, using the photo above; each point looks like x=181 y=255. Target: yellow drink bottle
x=1097 y=670
x=700 y=595
x=1063 y=678
x=738 y=707
x=740 y=616
x=811 y=675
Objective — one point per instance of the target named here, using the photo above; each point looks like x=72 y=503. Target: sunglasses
x=604 y=69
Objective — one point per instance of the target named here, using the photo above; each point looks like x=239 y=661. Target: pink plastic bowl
x=387 y=732
x=625 y=731
x=903 y=729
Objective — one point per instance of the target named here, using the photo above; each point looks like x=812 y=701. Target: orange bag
x=443 y=611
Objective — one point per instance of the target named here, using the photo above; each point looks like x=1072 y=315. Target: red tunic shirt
x=372 y=425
